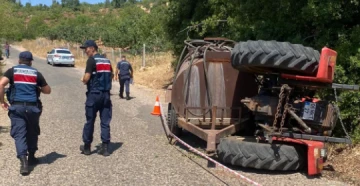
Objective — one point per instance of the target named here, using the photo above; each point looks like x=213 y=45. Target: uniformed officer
x=26 y=83
x=124 y=73
x=98 y=77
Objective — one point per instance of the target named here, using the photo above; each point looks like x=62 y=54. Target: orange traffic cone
x=156 y=110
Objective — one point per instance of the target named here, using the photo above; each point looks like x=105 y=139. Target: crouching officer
x=98 y=77
x=23 y=111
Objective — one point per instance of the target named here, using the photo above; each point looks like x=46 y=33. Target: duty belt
x=25 y=103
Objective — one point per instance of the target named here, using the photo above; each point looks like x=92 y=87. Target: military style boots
x=32 y=160
x=24 y=168
x=104 y=149
x=85 y=149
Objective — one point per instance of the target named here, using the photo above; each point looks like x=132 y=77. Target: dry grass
x=344 y=162
x=41 y=46
x=156 y=75
x=1 y=68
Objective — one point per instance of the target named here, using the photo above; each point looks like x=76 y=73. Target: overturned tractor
x=255 y=103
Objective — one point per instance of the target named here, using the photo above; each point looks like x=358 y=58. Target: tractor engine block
x=318 y=115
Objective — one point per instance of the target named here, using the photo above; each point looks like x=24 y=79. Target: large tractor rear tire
x=261 y=156
x=275 y=57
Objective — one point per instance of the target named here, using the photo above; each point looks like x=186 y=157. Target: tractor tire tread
x=172 y=121
x=261 y=155
x=273 y=56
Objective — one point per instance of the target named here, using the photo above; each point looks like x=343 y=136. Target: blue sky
x=48 y=2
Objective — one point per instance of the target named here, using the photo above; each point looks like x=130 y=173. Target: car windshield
x=63 y=52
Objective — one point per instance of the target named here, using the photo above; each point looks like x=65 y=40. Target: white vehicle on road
x=60 y=56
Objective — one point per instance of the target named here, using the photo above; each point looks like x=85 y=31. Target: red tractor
x=255 y=103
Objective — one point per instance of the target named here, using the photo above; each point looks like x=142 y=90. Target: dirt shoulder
x=344 y=165
x=4 y=119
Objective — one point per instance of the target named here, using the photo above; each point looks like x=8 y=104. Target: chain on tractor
x=285 y=92
x=286 y=107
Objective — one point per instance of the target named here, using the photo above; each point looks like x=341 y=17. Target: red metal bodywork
x=325 y=74
x=326 y=68
x=314 y=160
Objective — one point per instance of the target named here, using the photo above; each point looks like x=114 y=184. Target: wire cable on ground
x=169 y=134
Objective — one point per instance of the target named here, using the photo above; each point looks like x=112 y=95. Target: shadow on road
x=112 y=147
x=51 y=158
x=47 y=159
x=192 y=140
x=260 y=172
x=117 y=95
x=200 y=145
x=62 y=66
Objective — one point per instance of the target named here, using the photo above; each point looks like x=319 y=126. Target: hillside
x=131 y=25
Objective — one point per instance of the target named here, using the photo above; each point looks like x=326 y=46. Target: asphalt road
x=140 y=155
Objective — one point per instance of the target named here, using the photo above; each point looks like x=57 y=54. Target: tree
x=73 y=4
x=118 y=3
x=132 y=1
x=55 y=3
x=107 y=3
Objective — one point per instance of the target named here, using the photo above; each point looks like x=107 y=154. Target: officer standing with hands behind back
x=98 y=78
x=24 y=111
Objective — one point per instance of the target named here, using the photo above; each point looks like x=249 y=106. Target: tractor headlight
x=323 y=152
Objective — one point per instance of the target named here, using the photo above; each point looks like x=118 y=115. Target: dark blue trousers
x=124 y=82
x=24 y=128
x=97 y=101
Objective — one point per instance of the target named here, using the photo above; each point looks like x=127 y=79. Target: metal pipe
x=300 y=121
x=265 y=127
x=245 y=101
x=213 y=118
x=208 y=88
